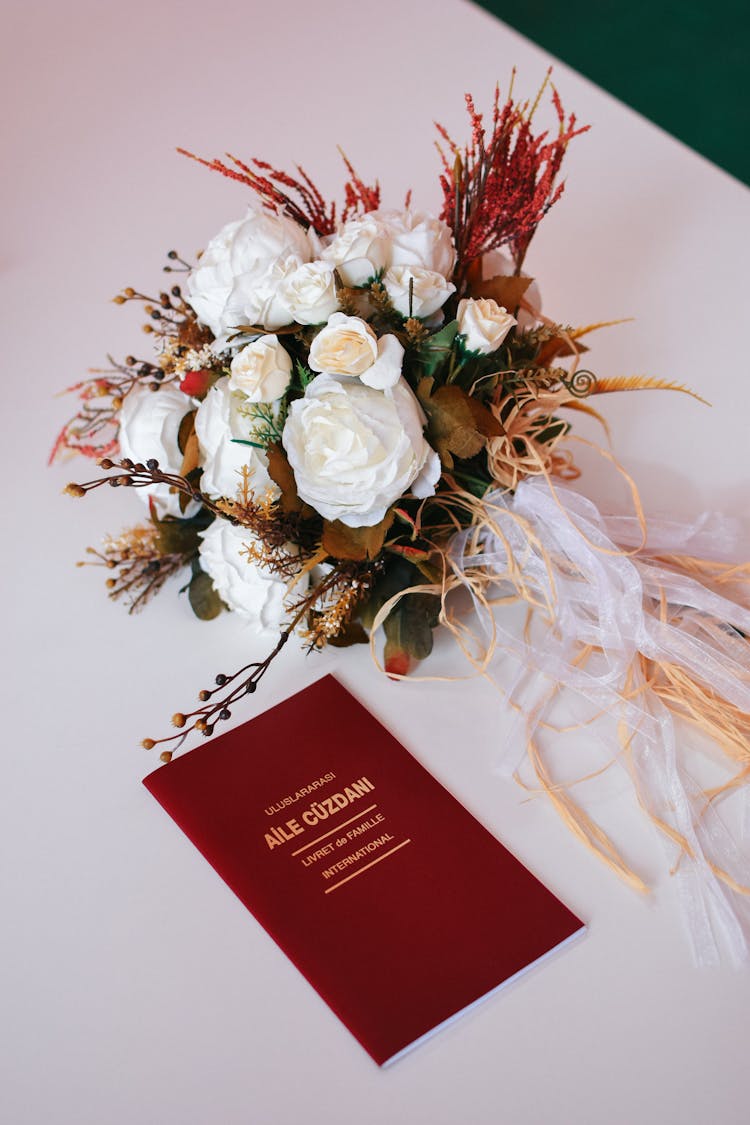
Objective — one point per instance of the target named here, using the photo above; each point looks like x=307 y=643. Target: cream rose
x=348 y=346
x=252 y=592
x=484 y=324
x=223 y=415
x=149 y=427
x=261 y=370
x=310 y=293
x=418 y=239
x=428 y=290
x=358 y=250
x=238 y=278
x=355 y=450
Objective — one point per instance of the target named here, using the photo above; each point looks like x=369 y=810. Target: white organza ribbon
x=568 y=557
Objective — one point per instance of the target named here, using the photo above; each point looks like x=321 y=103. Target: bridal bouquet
x=350 y=413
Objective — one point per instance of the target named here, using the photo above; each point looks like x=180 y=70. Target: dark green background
x=683 y=65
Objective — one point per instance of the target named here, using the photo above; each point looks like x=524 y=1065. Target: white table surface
x=135 y=987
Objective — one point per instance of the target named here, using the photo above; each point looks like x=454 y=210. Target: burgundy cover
x=394 y=902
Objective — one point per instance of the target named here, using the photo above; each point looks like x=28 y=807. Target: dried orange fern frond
x=642 y=383
x=577 y=333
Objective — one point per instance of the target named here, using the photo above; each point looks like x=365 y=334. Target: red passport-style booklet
x=398 y=907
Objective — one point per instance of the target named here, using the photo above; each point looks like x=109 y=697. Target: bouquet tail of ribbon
x=644 y=631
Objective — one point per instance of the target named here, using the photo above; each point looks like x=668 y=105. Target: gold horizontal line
x=332 y=830
x=372 y=863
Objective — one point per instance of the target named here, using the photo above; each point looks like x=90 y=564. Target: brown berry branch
x=205 y=718
x=184 y=267
x=169 y=312
x=137 y=474
x=357 y=578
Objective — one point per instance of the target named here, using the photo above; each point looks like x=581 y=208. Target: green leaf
x=304 y=374
x=351 y=634
x=409 y=627
x=204 y=600
x=437 y=349
x=180 y=537
x=397 y=576
x=556 y=428
x=408 y=632
x=244 y=441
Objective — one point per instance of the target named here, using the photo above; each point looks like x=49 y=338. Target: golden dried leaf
x=187 y=427
x=357 y=543
x=506 y=291
x=557 y=347
x=191 y=455
x=280 y=472
x=457 y=424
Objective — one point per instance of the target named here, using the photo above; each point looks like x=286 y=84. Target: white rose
x=223 y=415
x=484 y=324
x=348 y=346
x=261 y=371
x=237 y=280
x=149 y=427
x=310 y=293
x=252 y=592
x=429 y=290
x=358 y=250
x=355 y=450
x=418 y=239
